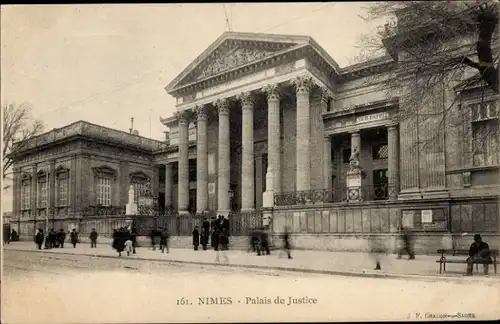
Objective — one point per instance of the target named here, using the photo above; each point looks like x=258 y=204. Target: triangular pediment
x=233 y=50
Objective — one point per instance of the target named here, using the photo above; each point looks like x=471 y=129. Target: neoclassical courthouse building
x=253 y=105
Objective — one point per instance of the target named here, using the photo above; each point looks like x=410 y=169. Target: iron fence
x=103 y=210
x=320 y=196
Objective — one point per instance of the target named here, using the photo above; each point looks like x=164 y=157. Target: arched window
x=25 y=191
x=43 y=187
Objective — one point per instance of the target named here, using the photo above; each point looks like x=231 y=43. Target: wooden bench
x=464 y=254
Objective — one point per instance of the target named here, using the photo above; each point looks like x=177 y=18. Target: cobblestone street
x=343 y=263
x=80 y=288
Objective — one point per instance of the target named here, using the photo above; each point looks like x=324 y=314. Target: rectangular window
x=380 y=151
x=42 y=194
x=103 y=191
x=138 y=191
x=485 y=141
x=26 y=196
x=62 y=191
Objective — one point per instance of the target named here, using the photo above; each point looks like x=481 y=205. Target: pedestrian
x=52 y=239
x=205 y=233
x=152 y=236
x=196 y=238
x=93 y=238
x=287 y=246
x=129 y=246
x=164 y=237
x=6 y=235
x=61 y=236
x=74 y=237
x=253 y=241
x=221 y=239
x=479 y=251
x=14 y=236
x=133 y=237
x=407 y=245
x=39 y=238
x=264 y=243
x=119 y=241
x=213 y=234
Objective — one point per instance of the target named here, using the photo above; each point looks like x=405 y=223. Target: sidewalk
x=334 y=263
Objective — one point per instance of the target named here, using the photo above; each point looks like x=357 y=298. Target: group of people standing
x=217 y=231
x=55 y=239
x=124 y=240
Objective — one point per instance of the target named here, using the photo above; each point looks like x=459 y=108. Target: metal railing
x=103 y=210
x=322 y=196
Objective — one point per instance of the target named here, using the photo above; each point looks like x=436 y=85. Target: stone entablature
x=91 y=131
x=369 y=115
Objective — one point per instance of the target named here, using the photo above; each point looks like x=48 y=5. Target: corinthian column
x=224 y=158
x=183 y=191
x=273 y=134
x=247 y=158
x=303 y=151
x=201 y=160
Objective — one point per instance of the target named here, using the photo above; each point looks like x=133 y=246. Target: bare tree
x=438 y=46
x=19 y=127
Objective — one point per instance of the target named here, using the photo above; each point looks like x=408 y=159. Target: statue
x=354 y=160
x=131 y=194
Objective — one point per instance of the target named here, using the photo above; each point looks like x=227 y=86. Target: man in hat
x=479 y=252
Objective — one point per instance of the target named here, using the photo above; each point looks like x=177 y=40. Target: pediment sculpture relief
x=234 y=58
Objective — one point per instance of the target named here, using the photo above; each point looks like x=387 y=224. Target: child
x=129 y=246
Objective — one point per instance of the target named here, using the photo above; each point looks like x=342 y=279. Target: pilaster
x=303 y=151
x=16 y=192
x=201 y=160
x=327 y=162
x=409 y=146
x=393 y=161
x=247 y=157
x=51 y=203
x=223 y=171
x=273 y=133
x=183 y=174
x=34 y=191
x=168 y=185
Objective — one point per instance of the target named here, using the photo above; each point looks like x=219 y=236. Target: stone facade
x=253 y=103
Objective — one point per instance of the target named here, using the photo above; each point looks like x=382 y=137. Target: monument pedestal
x=268 y=200
x=354 y=182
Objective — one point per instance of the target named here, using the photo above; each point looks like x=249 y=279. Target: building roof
x=89 y=130
x=283 y=43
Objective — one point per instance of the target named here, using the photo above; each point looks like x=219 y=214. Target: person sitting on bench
x=479 y=252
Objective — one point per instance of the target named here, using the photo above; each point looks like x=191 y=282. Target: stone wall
x=375 y=226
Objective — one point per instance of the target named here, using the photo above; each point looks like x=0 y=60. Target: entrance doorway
x=380 y=182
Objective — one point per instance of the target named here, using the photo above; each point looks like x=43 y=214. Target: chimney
x=131 y=129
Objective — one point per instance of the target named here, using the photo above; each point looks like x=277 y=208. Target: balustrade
x=334 y=195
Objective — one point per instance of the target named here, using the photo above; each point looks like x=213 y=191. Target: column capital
x=247 y=99
x=271 y=91
x=222 y=106
x=327 y=138
x=392 y=127
x=355 y=132
x=201 y=113
x=302 y=83
x=183 y=116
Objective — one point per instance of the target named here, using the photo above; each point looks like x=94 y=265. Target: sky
x=108 y=63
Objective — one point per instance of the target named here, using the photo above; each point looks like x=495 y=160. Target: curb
x=462 y=280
